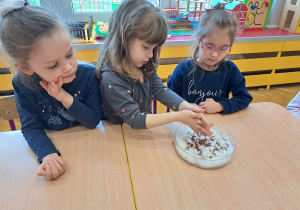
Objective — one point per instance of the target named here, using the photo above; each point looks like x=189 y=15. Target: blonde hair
x=21 y=31
x=133 y=19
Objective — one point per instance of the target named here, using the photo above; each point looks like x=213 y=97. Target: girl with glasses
x=208 y=78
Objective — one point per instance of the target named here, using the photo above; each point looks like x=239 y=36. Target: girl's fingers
x=198 y=129
x=52 y=168
x=44 y=85
x=195 y=130
x=60 y=82
x=204 y=132
x=54 y=171
x=205 y=122
x=197 y=122
x=201 y=120
x=41 y=173
x=61 y=162
x=207 y=132
x=51 y=87
x=55 y=88
x=57 y=165
x=201 y=127
x=196 y=108
x=41 y=170
x=48 y=174
x=203 y=106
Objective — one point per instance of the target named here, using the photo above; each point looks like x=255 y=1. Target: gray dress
x=124 y=100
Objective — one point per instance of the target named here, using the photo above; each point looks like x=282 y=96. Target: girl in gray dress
x=127 y=71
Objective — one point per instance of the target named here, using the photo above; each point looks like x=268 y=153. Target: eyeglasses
x=211 y=49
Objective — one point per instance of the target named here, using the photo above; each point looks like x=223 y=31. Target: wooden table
x=263 y=174
x=96 y=176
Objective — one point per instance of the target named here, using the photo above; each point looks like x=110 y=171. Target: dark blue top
x=38 y=110
x=217 y=84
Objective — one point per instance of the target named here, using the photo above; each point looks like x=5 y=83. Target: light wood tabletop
x=96 y=175
x=263 y=174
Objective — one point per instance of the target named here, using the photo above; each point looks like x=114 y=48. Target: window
x=79 y=6
x=80 y=10
x=35 y=2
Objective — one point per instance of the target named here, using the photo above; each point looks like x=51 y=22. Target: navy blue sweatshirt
x=38 y=110
x=217 y=84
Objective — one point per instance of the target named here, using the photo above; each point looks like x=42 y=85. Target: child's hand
x=51 y=167
x=197 y=122
x=210 y=106
x=189 y=106
x=195 y=108
x=54 y=88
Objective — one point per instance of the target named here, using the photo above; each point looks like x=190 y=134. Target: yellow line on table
x=128 y=167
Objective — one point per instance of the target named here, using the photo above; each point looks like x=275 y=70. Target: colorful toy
x=101 y=29
x=293 y=23
x=259 y=10
x=237 y=9
x=179 y=17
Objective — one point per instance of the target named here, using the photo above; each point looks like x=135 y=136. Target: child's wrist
x=221 y=108
x=50 y=156
x=66 y=99
x=181 y=116
x=61 y=95
x=183 y=106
